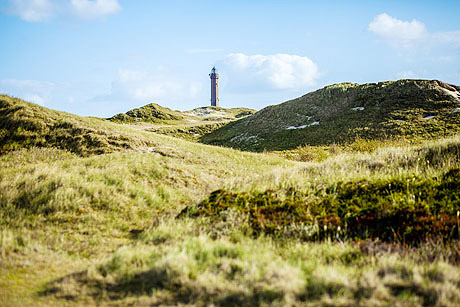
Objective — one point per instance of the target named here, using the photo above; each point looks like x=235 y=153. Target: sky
x=103 y=57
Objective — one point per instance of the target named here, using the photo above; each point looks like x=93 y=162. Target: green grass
x=82 y=225
x=189 y=132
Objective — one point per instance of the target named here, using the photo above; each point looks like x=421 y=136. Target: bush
x=409 y=210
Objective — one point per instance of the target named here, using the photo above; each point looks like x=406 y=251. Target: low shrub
x=409 y=210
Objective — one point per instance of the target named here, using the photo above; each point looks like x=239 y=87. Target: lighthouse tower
x=214 y=87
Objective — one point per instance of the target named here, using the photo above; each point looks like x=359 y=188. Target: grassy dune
x=164 y=221
x=156 y=114
x=26 y=125
x=345 y=112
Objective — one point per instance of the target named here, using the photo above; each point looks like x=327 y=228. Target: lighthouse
x=214 y=87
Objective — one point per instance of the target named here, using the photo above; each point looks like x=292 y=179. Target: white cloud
x=152 y=86
x=398 y=31
x=203 y=50
x=35 y=99
x=40 y=10
x=31 y=10
x=95 y=9
x=277 y=71
x=30 y=90
x=451 y=37
x=407 y=34
x=408 y=74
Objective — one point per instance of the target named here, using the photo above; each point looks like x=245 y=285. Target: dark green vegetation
x=341 y=113
x=409 y=211
x=94 y=223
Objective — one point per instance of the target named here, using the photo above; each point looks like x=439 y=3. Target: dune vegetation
x=94 y=212
x=401 y=110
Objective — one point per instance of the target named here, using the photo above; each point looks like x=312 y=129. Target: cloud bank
x=38 y=92
x=407 y=34
x=95 y=9
x=134 y=86
x=264 y=72
x=42 y=10
x=394 y=29
x=31 y=10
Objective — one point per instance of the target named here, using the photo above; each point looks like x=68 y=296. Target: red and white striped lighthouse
x=214 y=87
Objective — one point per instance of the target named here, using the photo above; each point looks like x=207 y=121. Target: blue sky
x=103 y=57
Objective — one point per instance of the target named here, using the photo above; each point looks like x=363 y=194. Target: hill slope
x=210 y=113
x=25 y=125
x=156 y=114
x=341 y=113
x=151 y=113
